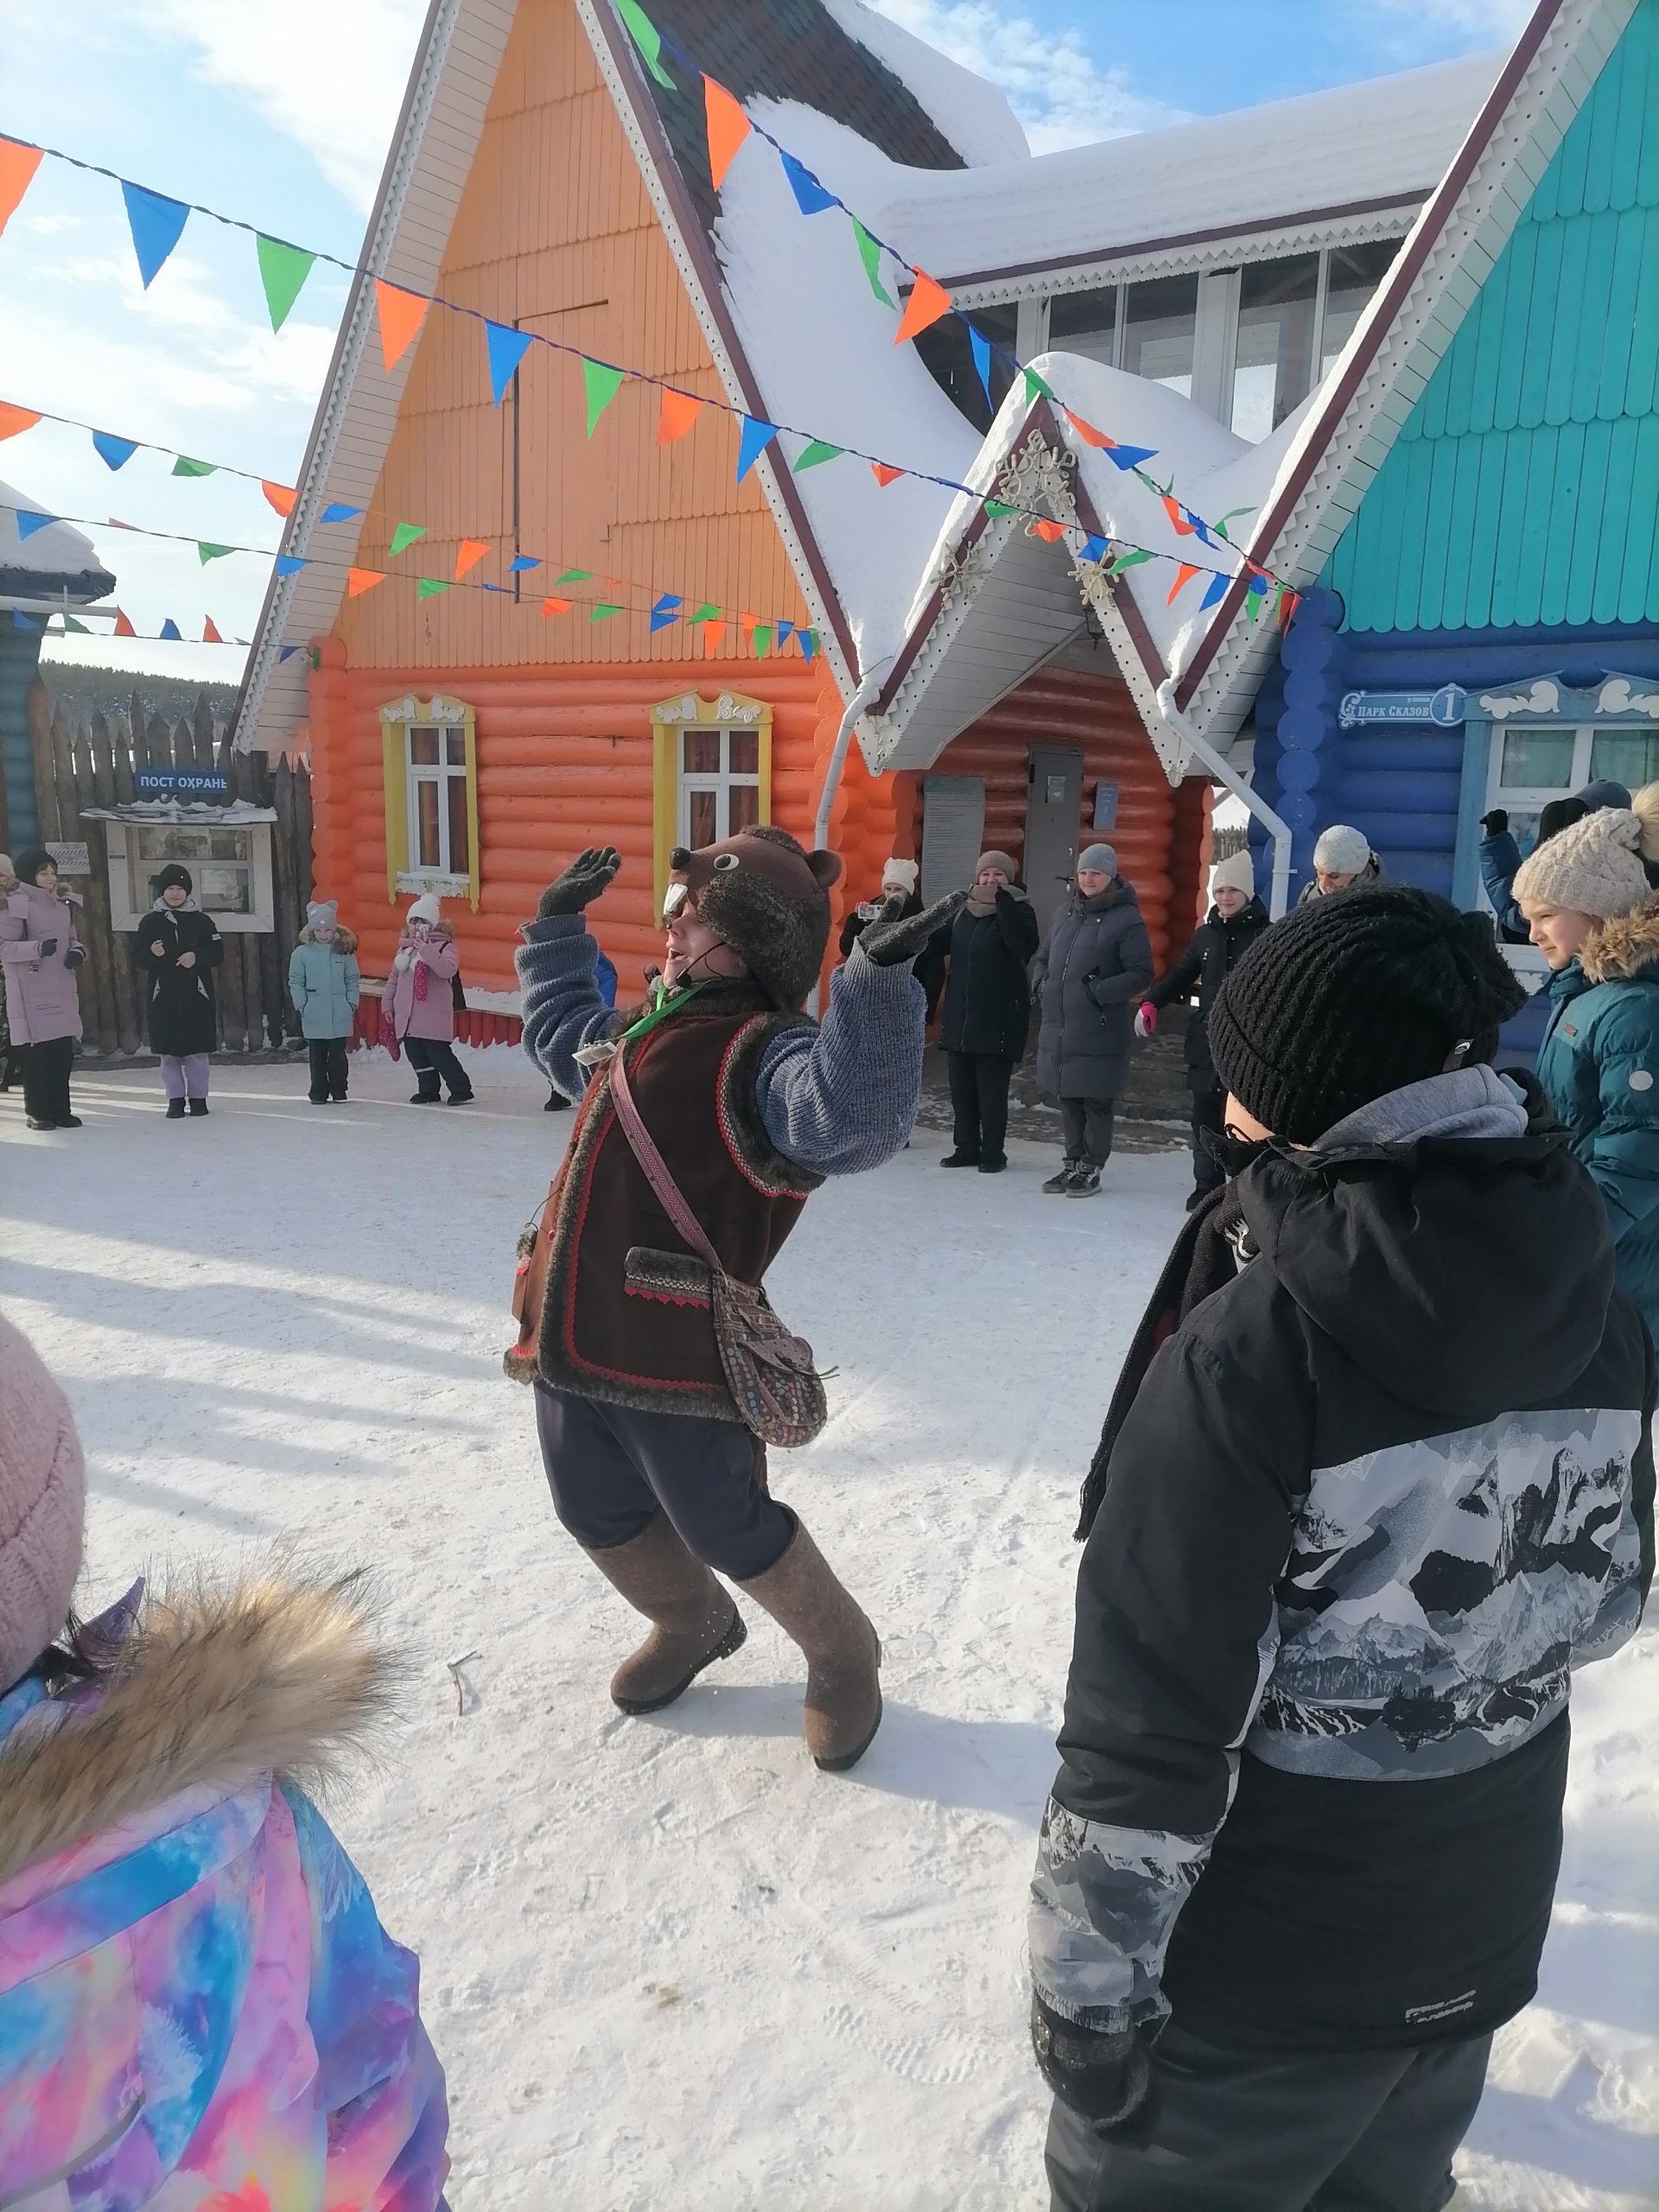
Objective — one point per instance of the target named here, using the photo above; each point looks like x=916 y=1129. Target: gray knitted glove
x=588 y=874
x=891 y=941
x=1104 y=2077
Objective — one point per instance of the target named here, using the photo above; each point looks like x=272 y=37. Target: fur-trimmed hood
x=436 y=933
x=211 y=1686
x=1623 y=946
x=344 y=940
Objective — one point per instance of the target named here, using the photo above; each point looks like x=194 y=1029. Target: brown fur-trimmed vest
x=625 y=1315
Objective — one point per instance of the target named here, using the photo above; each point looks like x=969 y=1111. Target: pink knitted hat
x=42 y=1501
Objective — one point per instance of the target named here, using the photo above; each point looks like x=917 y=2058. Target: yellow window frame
x=397 y=716
x=670 y=719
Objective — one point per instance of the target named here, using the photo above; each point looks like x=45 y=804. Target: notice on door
x=953 y=832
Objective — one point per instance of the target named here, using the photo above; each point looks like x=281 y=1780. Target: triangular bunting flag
x=20 y=621
x=429 y=587
x=281 y=496
x=1177 y=513
x=809 y=642
x=170 y=629
x=666 y=610
x=1131 y=456
x=207 y=552
x=1131 y=560
x=604 y=609
x=290 y=564
x=712 y=634
x=648 y=38
x=757 y=436
x=760 y=639
x=1050 y=532
x=870 y=254
x=749 y=624
x=283 y=270
x=1094 y=549
x=680 y=411
x=928 y=301
x=185 y=467
x=357 y=580
x=79 y=629
x=809 y=196
x=602 y=383
x=995 y=509
x=507 y=348
x=505 y=589
x=405 y=534
x=14 y=419
x=1035 y=388
x=574 y=576
x=1183 y=576
x=1258 y=578
x=817 y=451
x=1288 y=603
x=707 y=613
x=114 y=453
x=884 y=475
x=156 y=224
x=17 y=168
x=980 y=347
x=1217 y=591
x=557 y=606
x=210 y=632
x=28 y=524
x=520 y=562
x=401 y=315
x=287 y=652
x=123 y=628
x=728 y=128
x=337 y=511
x=1087 y=431
x=116 y=523
x=470 y=553
x=785 y=631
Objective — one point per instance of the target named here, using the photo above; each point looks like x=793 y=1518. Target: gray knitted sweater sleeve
x=558 y=985
x=841 y=1097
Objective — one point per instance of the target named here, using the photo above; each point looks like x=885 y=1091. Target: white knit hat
x=1342 y=850
x=1595 y=865
x=899 y=875
x=1236 y=873
x=42 y=1504
x=425 y=909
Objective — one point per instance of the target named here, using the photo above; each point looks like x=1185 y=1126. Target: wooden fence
x=93 y=766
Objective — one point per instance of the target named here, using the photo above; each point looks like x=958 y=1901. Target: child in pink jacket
x=420 y=1003
x=197 y=2005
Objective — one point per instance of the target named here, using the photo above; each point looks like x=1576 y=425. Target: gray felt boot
x=843 y=1689
x=693 y=1621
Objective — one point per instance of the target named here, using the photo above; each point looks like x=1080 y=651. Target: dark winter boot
x=1086 y=1182
x=198 y=1106
x=693 y=1621
x=843 y=1689
x=1058 y=1185
x=175 y=1110
x=960 y=1160
x=428 y=1093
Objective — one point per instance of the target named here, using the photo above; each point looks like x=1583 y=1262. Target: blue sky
x=281 y=114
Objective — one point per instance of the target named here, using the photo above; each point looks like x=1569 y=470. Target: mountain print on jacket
x=1438 y=1592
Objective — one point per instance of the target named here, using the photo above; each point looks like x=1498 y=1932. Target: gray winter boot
x=1058 y=1186
x=843 y=1689
x=693 y=1621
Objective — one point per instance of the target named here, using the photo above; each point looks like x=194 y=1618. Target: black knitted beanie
x=1348 y=999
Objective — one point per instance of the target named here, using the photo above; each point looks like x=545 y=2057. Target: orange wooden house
x=472 y=721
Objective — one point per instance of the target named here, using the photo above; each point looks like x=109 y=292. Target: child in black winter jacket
x=1384 y=1485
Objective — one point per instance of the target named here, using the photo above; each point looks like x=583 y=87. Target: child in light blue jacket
x=323 y=982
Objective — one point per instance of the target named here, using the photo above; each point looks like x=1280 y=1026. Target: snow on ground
x=666 y=1962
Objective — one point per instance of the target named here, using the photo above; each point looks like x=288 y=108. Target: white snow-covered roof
x=972 y=115
x=56 y=559
x=1355 y=148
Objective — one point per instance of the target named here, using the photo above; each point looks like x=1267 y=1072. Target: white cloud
x=327 y=73
x=1059 y=93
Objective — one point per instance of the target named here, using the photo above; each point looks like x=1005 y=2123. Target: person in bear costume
x=752 y=1104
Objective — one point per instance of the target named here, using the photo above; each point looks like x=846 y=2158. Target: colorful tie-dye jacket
x=199 y=2010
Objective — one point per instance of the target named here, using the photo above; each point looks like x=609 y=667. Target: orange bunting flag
x=1050 y=531
x=728 y=128
x=680 y=411
x=472 y=552
x=712 y=634
x=1183 y=576
x=884 y=475
x=123 y=628
x=1087 y=431
x=13 y=419
x=557 y=606
x=401 y=314
x=928 y=301
x=280 y=496
x=750 y=624
x=210 y=632
x=17 y=168
x=357 y=580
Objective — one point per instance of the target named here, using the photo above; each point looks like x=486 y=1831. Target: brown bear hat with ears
x=769 y=898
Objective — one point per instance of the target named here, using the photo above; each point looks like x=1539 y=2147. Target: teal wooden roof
x=1524 y=487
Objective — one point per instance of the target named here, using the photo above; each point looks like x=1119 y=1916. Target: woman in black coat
x=987 y=1009
x=1098 y=964
x=180 y=948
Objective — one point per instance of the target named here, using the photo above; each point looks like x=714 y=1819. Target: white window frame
x=443 y=876
x=722 y=781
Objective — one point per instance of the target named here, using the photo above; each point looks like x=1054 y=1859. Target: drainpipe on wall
x=1176 y=721
x=855 y=706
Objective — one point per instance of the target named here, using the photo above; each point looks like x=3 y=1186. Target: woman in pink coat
x=420 y=1003
x=198 y=2004
x=40 y=953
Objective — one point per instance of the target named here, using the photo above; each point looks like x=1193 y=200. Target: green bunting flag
x=995 y=509
x=573 y=576
x=212 y=552
x=405 y=534
x=603 y=383
x=870 y=254
x=429 y=587
x=605 y=609
x=1128 y=561
x=817 y=451
x=760 y=639
x=79 y=628
x=647 y=36
x=283 y=270
x=183 y=468
x=1035 y=388
x=707 y=613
